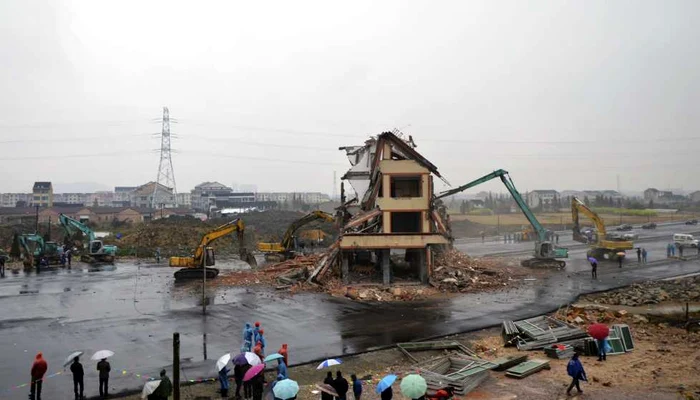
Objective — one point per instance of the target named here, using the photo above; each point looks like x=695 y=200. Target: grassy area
x=625 y=211
x=564 y=218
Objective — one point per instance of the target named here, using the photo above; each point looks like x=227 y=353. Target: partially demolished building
x=393 y=209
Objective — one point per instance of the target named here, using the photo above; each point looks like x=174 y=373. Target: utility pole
x=204 y=280
x=36 y=225
x=176 y=366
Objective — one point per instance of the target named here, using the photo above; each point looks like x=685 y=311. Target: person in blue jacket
x=223 y=381
x=261 y=339
x=256 y=333
x=576 y=372
x=356 y=387
x=247 y=337
x=282 y=369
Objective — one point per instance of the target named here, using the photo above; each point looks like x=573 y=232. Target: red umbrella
x=598 y=331
x=253 y=372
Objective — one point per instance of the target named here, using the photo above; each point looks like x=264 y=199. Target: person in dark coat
x=258 y=386
x=356 y=387
x=576 y=372
x=387 y=394
x=104 y=368
x=164 y=389
x=247 y=386
x=328 y=381
x=341 y=386
x=39 y=368
x=619 y=261
x=238 y=375
x=594 y=270
x=639 y=255
x=78 y=373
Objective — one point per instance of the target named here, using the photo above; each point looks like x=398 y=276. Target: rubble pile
x=686 y=289
x=589 y=313
x=455 y=271
x=380 y=293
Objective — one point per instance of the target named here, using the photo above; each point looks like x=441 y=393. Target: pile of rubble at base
x=686 y=289
x=455 y=271
x=287 y=274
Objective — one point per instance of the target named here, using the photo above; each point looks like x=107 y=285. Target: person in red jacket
x=38 y=370
x=283 y=351
x=258 y=350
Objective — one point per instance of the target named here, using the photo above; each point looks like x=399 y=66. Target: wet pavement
x=133 y=309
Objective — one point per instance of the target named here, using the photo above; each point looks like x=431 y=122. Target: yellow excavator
x=286 y=249
x=192 y=267
x=602 y=245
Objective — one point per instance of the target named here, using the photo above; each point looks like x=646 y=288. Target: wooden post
x=176 y=366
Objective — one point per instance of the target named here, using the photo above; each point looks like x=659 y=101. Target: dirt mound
x=687 y=289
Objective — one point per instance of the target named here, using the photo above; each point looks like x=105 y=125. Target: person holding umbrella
x=594 y=267
x=39 y=368
x=238 y=373
x=164 y=389
x=576 y=372
x=104 y=368
x=282 y=368
x=285 y=352
x=78 y=373
x=384 y=387
x=600 y=332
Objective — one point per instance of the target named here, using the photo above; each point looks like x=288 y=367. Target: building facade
x=12 y=199
x=542 y=198
x=142 y=196
x=205 y=195
x=42 y=194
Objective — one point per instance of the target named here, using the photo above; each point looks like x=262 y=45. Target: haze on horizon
x=564 y=95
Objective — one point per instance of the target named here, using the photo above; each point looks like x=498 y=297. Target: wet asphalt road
x=134 y=309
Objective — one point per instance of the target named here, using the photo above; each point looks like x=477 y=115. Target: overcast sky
x=564 y=95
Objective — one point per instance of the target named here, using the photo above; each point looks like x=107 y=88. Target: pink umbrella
x=253 y=372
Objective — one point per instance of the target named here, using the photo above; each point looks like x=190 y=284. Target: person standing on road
x=262 y=341
x=594 y=270
x=247 y=386
x=680 y=251
x=238 y=374
x=576 y=372
x=284 y=351
x=282 y=369
x=78 y=373
x=69 y=256
x=644 y=255
x=247 y=337
x=258 y=386
x=639 y=255
x=483 y=236
x=668 y=250
x=602 y=353
x=104 y=368
x=356 y=387
x=256 y=333
x=673 y=250
x=38 y=370
x=341 y=386
x=2 y=266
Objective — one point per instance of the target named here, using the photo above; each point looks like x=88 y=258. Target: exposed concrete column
x=422 y=260
x=386 y=268
x=344 y=267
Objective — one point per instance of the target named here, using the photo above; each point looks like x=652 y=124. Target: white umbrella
x=253 y=359
x=222 y=361
x=149 y=388
x=102 y=354
x=70 y=358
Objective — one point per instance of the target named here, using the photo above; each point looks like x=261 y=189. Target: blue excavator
x=97 y=252
x=35 y=248
x=546 y=253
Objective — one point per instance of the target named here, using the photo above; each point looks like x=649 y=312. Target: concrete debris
x=685 y=289
x=455 y=271
x=540 y=332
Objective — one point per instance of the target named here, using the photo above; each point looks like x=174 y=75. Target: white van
x=683 y=239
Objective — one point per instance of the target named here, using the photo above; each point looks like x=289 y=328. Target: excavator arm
x=71 y=226
x=505 y=178
x=288 y=238
x=577 y=206
x=236 y=225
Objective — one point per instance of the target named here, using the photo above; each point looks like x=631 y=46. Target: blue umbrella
x=285 y=389
x=593 y=260
x=329 y=363
x=273 y=357
x=385 y=383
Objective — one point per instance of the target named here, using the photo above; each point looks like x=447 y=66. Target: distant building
x=658 y=196
x=142 y=196
x=542 y=198
x=695 y=196
x=15 y=215
x=122 y=196
x=184 y=199
x=11 y=199
x=302 y=197
x=71 y=198
x=205 y=195
x=245 y=197
x=42 y=194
